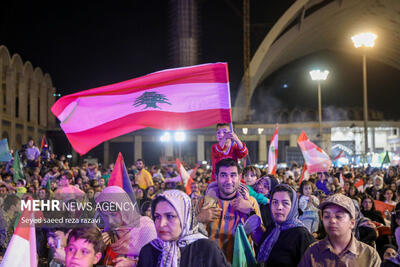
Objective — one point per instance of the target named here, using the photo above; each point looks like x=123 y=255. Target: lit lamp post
x=317 y=75
x=365 y=40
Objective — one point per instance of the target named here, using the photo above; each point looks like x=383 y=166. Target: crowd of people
x=327 y=219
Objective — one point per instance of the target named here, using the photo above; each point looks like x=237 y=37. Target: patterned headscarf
x=115 y=194
x=291 y=222
x=190 y=229
x=125 y=233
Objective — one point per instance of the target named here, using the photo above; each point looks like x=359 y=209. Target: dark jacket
x=201 y=253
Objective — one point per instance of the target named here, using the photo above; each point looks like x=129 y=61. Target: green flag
x=386 y=159
x=243 y=255
x=18 y=174
x=48 y=184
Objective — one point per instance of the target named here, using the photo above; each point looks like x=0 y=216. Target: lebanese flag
x=304 y=174
x=341 y=180
x=340 y=155
x=273 y=153
x=21 y=251
x=360 y=185
x=44 y=143
x=382 y=206
x=186 y=178
x=119 y=177
x=315 y=158
x=174 y=99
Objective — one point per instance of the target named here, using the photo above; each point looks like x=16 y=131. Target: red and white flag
x=360 y=186
x=304 y=174
x=341 y=180
x=273 y=153
x=340 y=155
x=21 y=251
x=174 y=99
x=187 y=179
x=315 y=158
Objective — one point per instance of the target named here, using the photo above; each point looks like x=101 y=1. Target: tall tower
x=184 y=33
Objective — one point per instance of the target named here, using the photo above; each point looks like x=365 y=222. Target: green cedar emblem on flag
x=18 y=174
x=386 y=159
x=150 y=99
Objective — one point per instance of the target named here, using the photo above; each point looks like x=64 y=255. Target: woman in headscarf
x=179 y=241
x=364 y=230
x=286 y=241
x=264 y=186
x=368 y=210
x=125 y=230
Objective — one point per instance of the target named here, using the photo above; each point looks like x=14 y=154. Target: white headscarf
x=190 y=229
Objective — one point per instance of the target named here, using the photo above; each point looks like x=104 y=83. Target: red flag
x=273 y=153
x=360 y=185
x=21 y=250
x=119 y=177
x=315 y=158
x=382 y=206
x=183 y=98
x=44 y=143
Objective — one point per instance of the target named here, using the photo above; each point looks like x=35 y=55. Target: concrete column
x=262 y=148
x=106 y=155
x=200 y=148
x=138 y=147
x=293 y=140
x=169 y=149
x=23 y=98
x=372 y=139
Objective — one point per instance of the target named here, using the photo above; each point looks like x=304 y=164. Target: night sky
x=88 y=44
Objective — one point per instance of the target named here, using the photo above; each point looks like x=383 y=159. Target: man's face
x=80 y=253
x=194 y=187
x=139 y=165
x=30 y=143
x=228 y=181
x=221 y=132
x=337 y=222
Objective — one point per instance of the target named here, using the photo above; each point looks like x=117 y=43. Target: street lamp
x=365 y=40
x=317 y=75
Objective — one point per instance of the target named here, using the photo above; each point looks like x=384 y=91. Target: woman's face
x=352 y=191
x=114 y=219
x=151 y=190
x=262 y=189
x=139 y=194
x=388 y=195
x=393 y=187
x=280 y=206
x=167 y=222
x=367 y=204
x=250 y=178
x=389 y=253
x=42 y=194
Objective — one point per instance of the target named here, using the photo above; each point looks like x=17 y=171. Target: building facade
x=25 y=100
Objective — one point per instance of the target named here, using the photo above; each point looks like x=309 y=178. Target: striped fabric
x=223 y=229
